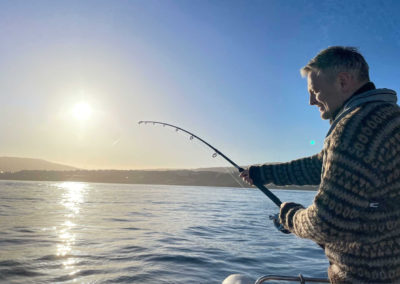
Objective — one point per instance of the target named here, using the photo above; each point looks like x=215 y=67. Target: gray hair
x=337 y=59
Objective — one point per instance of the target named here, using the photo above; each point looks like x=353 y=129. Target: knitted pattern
x=356 y=212
x=305 y=171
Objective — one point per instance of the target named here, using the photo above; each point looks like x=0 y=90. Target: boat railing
x=301 y=279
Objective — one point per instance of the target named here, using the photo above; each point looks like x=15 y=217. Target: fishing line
x=192 y=136
x=235 y=178
x=227 y=170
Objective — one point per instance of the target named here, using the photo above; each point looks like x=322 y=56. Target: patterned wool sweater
x=356 y=212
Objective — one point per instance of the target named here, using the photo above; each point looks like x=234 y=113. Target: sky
x=77 y=76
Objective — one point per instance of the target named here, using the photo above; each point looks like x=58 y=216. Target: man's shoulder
x=359 y=126
x=370 y=115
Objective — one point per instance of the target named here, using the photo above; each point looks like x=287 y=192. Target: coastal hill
x=15 y=164
x=40 y=170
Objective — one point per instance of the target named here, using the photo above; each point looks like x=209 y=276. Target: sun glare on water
x=82 y=111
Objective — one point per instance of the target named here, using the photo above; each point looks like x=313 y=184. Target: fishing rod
x=261 y=187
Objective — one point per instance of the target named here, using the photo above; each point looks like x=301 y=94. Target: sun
x=82 y=111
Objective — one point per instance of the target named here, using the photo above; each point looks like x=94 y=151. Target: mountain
x=12 y=168
x=218 y=169
x=166 y=177
x=14 y=164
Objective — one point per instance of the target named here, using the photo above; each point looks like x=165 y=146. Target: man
x=355 y=215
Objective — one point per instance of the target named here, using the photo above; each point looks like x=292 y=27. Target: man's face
x=325 y=93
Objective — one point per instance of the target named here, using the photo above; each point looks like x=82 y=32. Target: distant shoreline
x=167 y=177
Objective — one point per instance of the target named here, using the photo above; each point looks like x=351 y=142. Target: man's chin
x=325 y=115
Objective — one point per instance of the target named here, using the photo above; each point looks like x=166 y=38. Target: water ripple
x=104 y=233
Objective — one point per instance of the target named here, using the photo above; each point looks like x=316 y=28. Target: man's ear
x=345 y=80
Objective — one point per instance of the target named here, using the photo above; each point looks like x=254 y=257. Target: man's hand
x=246 y=177
x=286 y=214
x=277 y=224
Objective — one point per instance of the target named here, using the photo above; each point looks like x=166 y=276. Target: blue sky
x=226 y=70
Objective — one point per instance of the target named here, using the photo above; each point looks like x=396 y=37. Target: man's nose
x=313 y=101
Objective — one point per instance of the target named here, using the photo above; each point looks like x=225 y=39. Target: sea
x=73 y=232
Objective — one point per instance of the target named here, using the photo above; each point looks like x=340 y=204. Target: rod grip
x=266 y=191
x=270 y=195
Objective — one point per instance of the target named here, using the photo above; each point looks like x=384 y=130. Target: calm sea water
x=108 y=233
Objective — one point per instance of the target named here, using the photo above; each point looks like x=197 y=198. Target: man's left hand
x=286 y=214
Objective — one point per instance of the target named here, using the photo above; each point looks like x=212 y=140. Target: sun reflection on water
x=72 y=199
x=73 y=196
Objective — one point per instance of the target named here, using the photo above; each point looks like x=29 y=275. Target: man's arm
x=304 y=171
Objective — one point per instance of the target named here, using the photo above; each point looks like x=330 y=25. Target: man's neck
x=364 y=88
x=368 y=86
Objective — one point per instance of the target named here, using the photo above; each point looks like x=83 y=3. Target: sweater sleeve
x=304 y=171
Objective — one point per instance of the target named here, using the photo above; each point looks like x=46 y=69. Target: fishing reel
x=277 y=224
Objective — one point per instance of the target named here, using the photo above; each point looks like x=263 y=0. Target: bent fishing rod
x=261 y=187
